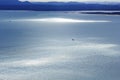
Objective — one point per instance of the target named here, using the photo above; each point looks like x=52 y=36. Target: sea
x=59 y=45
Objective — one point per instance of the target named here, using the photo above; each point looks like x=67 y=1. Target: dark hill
x=56 y=6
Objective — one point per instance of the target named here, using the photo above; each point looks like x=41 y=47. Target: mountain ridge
x=57 y=6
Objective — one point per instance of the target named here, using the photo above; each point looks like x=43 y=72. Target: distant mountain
x=57 y=6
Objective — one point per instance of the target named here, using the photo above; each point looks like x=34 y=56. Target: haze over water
x=59 y=46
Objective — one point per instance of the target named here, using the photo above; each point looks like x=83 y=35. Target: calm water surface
x=59 y=46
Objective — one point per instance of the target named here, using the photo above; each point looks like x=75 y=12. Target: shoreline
x=103 y=12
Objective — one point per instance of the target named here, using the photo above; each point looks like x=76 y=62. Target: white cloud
x=71 y=0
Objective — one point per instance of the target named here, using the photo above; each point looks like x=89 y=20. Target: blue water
x=32 y=49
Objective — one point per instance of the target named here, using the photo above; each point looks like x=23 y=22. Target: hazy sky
x=72 y=0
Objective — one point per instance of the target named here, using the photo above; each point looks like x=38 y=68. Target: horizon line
x=71 y=1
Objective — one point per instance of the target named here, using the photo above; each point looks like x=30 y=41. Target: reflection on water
x=82 y=47
x=61 y=20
